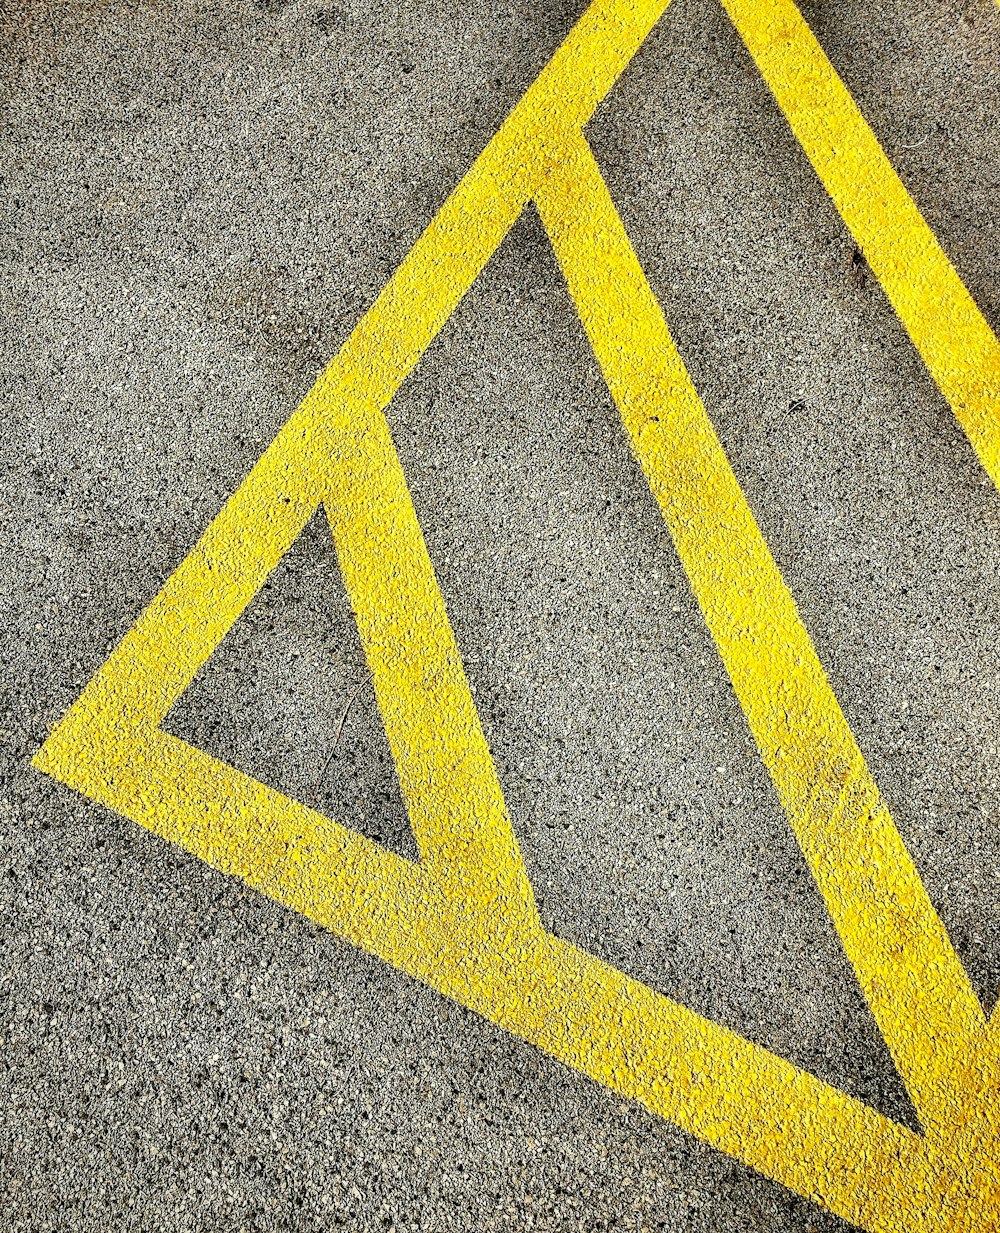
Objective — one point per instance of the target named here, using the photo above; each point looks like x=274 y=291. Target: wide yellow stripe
x=911 y=977
x=957 y=345
x=455 y=803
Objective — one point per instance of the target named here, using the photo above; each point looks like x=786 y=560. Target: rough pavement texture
x=200 y=200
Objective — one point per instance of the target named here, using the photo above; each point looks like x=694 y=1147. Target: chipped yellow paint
x=463 y=918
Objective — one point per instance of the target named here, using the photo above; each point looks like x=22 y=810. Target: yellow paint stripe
x=944 y=323
x=911 y=977
x=956 y=343
x=441 y=266
x=157 y=659
x=455 y=803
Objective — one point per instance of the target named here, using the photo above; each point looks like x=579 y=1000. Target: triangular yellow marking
x=290 y=701
x=463 y=919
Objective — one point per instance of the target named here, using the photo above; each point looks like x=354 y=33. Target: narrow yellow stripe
x=157 y=659
x=911 y=977
x=957 y=345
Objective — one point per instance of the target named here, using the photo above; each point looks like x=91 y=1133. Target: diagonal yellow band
x=960 y=350
x=911 y=977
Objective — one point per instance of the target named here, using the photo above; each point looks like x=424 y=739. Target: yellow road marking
x=913 y=981
x=463 y=918
x=957 y=345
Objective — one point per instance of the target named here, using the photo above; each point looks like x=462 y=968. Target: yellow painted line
x=911 y=977
x=960 y=350
x=463 y=919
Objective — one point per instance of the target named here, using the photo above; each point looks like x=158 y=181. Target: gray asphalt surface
x=200 y=200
